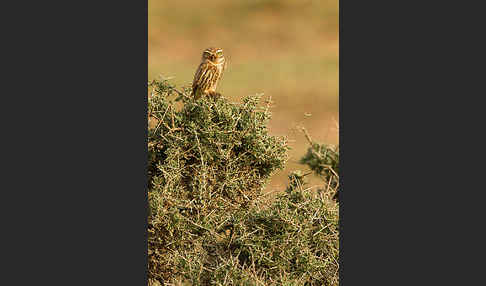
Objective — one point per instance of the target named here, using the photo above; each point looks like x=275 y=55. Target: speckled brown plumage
x=209 y=73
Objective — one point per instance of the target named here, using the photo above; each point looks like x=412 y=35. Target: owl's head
x=215 y=55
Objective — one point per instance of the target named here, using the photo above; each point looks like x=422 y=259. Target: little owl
x=209 y=73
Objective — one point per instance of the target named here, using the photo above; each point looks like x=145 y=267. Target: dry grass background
x=285 y=49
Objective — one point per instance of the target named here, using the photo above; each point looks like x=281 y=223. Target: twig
x=307 y=136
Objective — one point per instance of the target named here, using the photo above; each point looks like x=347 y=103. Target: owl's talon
x=214 y=95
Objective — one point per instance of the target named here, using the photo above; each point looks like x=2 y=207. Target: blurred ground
x=285 y=49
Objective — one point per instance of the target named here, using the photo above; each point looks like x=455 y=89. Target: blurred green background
x=286 y=49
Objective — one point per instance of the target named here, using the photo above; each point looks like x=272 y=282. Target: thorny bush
x=209 y=160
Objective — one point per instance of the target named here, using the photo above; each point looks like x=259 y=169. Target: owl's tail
x=196 y=95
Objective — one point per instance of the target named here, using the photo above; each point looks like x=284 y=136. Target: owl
x=209 y=73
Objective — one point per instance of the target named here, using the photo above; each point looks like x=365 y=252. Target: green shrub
x=206 y=159
x=323 y=160
x=209 y=223
x=293 y=241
